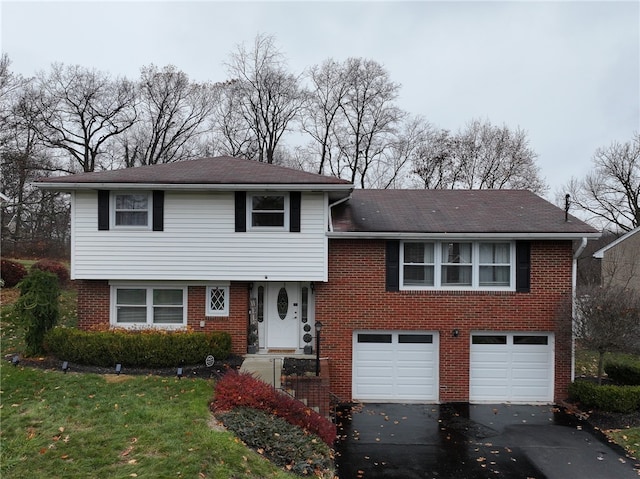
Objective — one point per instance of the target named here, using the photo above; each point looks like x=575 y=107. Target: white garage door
x=511 y=367
x=395 y=366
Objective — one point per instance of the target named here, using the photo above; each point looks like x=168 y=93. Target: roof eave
x=194 y=186
x=465 y=235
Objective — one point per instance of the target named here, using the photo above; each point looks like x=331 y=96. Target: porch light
x=118 y=369
x=312 y=287
x=318 y=327
x=65 y=366
x=455 y=333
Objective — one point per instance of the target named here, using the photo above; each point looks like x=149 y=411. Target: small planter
x=252 y=349
x=308 y=349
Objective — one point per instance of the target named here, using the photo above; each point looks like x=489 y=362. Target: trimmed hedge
x=11 y=272
x=147 y=348
x=606 y=398
x=284 y=444
x=624 y=370
x=237 y=390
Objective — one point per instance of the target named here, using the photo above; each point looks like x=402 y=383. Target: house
x=620 y=261
x=424 y=295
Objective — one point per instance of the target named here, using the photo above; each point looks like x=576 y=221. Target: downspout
x=574 y=283
x=340 y=201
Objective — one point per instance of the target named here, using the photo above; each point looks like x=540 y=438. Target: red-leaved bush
x=244 y=390
x=59 y=269
x=12 y=272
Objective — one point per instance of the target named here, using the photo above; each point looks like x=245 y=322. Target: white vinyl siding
x=199 y=242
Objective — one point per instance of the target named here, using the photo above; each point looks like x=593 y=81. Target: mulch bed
x=201 y=371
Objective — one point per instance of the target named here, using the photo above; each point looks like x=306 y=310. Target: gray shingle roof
x=222 y=170
x=452 y=211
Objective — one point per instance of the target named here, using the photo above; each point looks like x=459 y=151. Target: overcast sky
x=566 y=72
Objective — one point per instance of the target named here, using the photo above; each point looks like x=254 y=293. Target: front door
x=283 y=309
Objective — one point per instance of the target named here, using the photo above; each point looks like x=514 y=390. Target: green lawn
x=85 y=425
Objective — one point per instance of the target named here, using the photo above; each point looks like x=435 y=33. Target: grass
x=86 y=425
x=629 y=439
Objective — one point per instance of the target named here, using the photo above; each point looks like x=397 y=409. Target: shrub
x=12 y=272
x=606 y=398
x=37 y=308
x=284 y=444
x=146 y=348
x=59 y=269
x=624 y=370
x=235 y=390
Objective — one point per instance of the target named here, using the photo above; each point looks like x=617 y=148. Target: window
x=131 y=210
x=146 y=306
x=269 y=211
x=218 y=300
x=457 y=265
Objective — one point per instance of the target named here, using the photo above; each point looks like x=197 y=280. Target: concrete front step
x=266 y=368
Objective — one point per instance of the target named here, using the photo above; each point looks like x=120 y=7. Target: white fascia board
x=192 y=187
x=600 y=253
x=440 y=236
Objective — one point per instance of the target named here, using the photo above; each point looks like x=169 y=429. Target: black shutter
x=241 y=211
x=103 y=210
x=158 y=210
x=294 y=205
x=393 y=266
x=523 y=266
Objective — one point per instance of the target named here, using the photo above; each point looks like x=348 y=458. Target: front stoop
x=266 y=368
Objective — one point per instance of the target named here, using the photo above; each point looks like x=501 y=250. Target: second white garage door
x=395 y=366
x=511 y=367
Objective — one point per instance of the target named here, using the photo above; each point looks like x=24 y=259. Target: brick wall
x=94 y=305
x=354 y=298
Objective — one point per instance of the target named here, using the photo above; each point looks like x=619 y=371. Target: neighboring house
x=424 y=295
x=620 y=261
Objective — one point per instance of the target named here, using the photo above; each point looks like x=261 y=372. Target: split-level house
x=424 y=295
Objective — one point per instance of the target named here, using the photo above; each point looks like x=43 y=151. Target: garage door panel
x=519 y=369
x=395 y=366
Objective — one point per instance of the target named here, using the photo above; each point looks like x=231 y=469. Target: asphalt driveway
x=462 y=441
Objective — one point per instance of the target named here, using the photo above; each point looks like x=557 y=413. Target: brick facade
x=94 y=305
x=354 y=298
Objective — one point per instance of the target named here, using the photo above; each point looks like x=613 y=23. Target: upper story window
x=131 y=210
x=268 y=211
x=457 y=265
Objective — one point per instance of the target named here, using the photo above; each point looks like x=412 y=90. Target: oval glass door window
x=283 y=303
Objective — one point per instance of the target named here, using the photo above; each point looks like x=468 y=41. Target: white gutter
x=471 y=235
x=336 y=203
x=574 y=283
x=193 y=186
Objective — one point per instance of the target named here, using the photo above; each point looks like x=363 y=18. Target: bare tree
x=607 y=319
x=322 y=110
x=79 y=110
x=480 y=156
x=267 y=95
x=229 y=133
x=171 y=111
x=610 y=193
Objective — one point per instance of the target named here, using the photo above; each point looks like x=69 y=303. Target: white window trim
x=149 y=324
x=112 y=210
x=287 y=211
x=222 y=312
x=475 y=267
